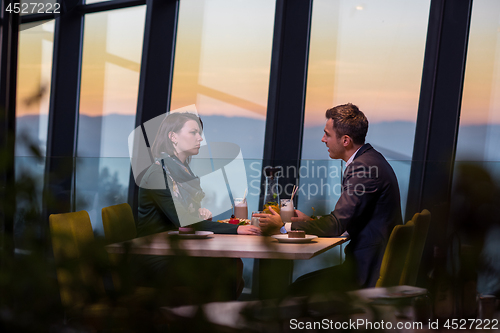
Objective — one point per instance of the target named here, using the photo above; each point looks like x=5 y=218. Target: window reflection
x=112 y=51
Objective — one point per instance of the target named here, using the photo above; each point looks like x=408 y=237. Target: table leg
x=271 y=278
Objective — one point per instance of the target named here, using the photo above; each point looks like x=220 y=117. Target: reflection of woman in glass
x=178 y=138
x=162 y=209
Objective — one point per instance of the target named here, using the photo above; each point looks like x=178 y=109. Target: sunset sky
x=481 y=97
x=366 y=52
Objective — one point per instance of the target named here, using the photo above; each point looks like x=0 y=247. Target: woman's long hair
x=173 y=122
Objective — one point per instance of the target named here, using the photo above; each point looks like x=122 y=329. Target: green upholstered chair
x=118 y=222
x=395 y=256
x=421 y=222
x=72 y=238
x=81 y=262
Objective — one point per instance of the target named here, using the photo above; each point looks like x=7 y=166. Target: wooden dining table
x=272 y=272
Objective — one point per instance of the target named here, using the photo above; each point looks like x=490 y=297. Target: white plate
x=284 y=239
x=402 y=293
x=196 y=235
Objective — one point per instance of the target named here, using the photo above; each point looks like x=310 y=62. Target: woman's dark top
x=157 y=211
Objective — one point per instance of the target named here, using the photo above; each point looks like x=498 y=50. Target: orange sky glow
x=370 y=55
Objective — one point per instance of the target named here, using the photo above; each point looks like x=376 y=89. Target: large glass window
x=479 y=135
x=33 y=86
x=112 y=50
x=369 y=54
x=32 y=108
x=479 y=132
x=222 y=65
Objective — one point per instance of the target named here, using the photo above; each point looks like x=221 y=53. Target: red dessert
x=297 y=234
x=234 y=220
x=186 y=231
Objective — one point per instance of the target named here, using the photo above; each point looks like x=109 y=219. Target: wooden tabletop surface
x=228 y=246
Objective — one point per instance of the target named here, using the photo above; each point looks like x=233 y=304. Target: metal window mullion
x=157 y=67
x=8 y=82
x=438 y=116
x=287 y=86
x=286 y=103
x=63 y=112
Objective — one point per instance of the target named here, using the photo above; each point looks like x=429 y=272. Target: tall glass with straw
x=287 y=210
x=241 y=207
x=271 y=194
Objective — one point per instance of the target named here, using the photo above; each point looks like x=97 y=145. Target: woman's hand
x=205 y=214
x=270 y=223
x=248 y=230
x=301 y=217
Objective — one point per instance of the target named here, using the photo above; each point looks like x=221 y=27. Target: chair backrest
x=118 y=222
x=72 y=237
x=421 y=222
x=395 y=256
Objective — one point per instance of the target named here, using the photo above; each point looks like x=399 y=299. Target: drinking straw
x=295 y=188
x=245 y=195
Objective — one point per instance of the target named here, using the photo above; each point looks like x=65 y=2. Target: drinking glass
x=240 y=208
x=286 y=210
x=256 y=220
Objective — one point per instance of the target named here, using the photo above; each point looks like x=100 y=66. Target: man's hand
x=270 y=223
x=301 y=217
x=248 y=230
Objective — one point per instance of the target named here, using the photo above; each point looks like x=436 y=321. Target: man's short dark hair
x=349 y=120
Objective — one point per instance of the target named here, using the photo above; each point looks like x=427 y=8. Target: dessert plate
x=196 y=235
x=284 y=239
x=393 y=293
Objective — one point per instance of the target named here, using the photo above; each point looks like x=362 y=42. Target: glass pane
x=222 y=64
x=32 y=108
x=112 y=49
x=479 y=132
x=369 y=54
x=33 y=86
x=478 y=138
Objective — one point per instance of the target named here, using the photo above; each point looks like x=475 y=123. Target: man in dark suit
x=368 y=208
